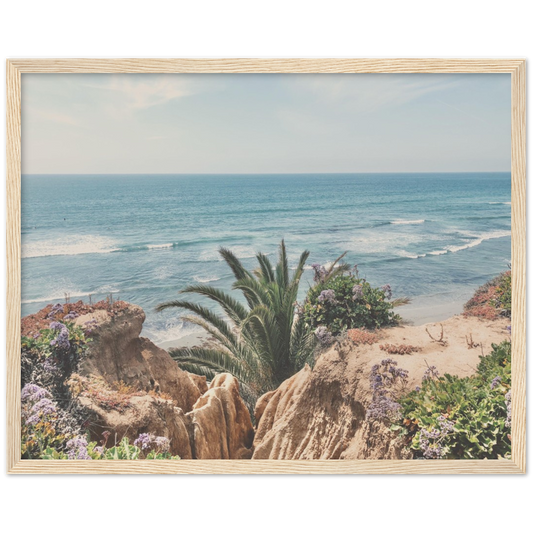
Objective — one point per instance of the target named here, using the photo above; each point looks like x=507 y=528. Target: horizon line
x=255 y=173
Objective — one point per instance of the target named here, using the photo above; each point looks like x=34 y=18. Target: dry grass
x=400 y=349
x=361 y=336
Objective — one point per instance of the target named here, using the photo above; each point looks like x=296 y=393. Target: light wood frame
x=515 y=67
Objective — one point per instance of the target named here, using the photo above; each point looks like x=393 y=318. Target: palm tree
x=261 y=343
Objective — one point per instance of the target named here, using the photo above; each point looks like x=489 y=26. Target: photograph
x=266 y=266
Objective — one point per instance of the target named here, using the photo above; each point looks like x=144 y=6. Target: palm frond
x=398 y=302
x=300 y=267
x=203 y=312
x=254 y=291
x=303 y=342
x=218 y=361
x=282 y=268
x=261 y=345
x=260 y=326
x=265 y=268
x=337 y=268
x=234 y=263
x=234 y=309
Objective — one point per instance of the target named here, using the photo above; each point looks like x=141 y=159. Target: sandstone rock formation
x=221 y=423
x=129 y=386
x=320 y=413
x=118 y=354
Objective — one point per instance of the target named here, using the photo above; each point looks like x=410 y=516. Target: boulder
x=143 y=414
x=119 y=355
x=221 y=424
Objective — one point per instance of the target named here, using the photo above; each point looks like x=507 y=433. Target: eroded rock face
x=118 y=354
x=313 y=415
x=221 y=424
x=158 y=397
x=144 y=414
x=321 y=413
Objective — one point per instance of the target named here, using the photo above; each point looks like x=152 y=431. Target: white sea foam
x=421 y=221
x=83 y=244
x=172 y=330
x=500 y=203
x=157 y=246
x=205 y=279
x=479 y=240
x=405 y=253
x=71 y=245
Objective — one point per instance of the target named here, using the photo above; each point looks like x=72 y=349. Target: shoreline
x=412 y=315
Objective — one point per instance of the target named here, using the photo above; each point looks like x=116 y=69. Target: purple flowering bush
x=461 y=418
x=388 y=383
x=146 y=446
x=50 y=419
x=323 y=335
x=41 y=426
x=346 y=301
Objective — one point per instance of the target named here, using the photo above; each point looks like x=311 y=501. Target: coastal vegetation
x=461 y=418
x=341 y=300
x=448 y=417
x=54 y=425
x=261 y=343
x=69 y=400
x=491 y=300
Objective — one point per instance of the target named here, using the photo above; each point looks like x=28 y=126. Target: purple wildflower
x=320 y=272
x=430 y=373
x=431 y=440
x=385 y=380
x=36 y=404
x=495 y=382
x=508 y=401
x=33 y=393
x=44 y=407
x=357 y=292
x=50 y=366
x=90 y=325
x=323 y=335
x=71 y=316
x=77 y=449
x=162 y=444
x=62 y=340
x=387 y=290
x=148 y=442
x=57 y=308
x=327 y=296
x=143 y=441
x=33 y=420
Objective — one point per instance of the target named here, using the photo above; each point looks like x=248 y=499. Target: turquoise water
x=433 y=237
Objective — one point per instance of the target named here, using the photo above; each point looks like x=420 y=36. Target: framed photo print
x=266 y=266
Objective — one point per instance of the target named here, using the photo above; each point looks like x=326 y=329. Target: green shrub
x=123 y=451
x=462 y=418
x=503 y=294
x=491 y=300
x=49 y=417
x=347 y=302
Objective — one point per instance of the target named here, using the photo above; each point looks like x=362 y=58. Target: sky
x=265 y=123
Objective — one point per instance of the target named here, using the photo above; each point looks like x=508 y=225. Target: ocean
x=433 y=237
